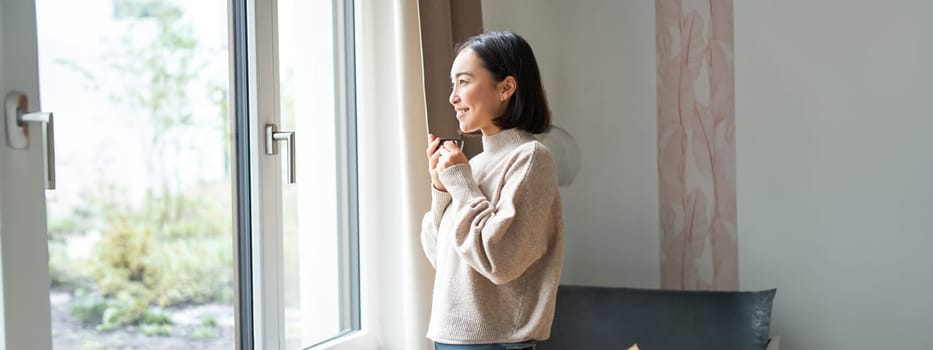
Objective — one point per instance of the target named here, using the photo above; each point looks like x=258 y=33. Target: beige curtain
x=417 y=273
x=394 y=181
x=417 y=113
x=398 y=84
x=444 y=24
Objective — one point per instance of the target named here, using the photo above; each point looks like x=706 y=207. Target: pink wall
x=696 y=144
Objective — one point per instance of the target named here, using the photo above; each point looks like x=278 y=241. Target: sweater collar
x=505 y=139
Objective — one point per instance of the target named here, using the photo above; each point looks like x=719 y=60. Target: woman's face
x=476 y=96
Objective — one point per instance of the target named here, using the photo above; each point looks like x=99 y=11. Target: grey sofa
x=617 y=318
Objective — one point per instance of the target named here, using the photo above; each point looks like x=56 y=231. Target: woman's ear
x=507 y=88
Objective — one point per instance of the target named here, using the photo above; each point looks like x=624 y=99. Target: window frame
x=258 y=179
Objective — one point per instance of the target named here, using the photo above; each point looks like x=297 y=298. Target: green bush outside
x=142 y=262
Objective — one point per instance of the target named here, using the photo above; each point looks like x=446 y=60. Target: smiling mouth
x=461 y=112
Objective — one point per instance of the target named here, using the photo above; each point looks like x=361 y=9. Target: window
x=319 y=211
x=305 y=225
x=140 y=227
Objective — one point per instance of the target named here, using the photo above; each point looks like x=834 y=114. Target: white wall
x=834 y=156
x=597 y=60
x=835 y=169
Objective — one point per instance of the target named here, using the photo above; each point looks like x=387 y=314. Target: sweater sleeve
x=430 y=223
x=502 y=240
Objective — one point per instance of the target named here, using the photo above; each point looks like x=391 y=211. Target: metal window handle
x=18 y=132
x=272 y=147
x=46 y=119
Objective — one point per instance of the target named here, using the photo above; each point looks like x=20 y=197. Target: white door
x=24 y=310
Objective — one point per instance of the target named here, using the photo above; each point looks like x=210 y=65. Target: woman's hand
x=434 y=153
x=450 y=155
x=441 y=157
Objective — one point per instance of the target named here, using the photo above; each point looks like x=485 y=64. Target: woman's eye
x=462 y=82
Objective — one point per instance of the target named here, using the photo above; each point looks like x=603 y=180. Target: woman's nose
x=453 y=97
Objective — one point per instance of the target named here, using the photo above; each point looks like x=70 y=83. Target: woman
x=495 y=231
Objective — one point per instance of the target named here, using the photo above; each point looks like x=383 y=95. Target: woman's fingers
x=445 y=161
x=432 y=159
x=454 y=154
x=453 y=148
x=432 y=145
x=441 y=163
x=443 y=156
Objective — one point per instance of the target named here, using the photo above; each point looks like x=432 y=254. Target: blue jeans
x=528 y=345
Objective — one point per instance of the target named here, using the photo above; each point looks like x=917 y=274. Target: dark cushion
x=616 y=318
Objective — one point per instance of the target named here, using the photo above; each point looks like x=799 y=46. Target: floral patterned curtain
x=696 y=144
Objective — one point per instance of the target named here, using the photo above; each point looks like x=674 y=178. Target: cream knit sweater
x=496 y=241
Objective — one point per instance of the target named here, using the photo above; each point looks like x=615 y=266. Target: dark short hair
x=505 y=54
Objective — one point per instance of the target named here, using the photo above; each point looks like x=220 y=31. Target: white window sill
x=360 y=340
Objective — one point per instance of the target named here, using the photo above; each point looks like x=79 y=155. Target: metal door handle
x=16 y=104
x=272 y=147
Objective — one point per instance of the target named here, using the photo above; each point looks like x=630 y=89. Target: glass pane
x=314 y=212
x=140 y=227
